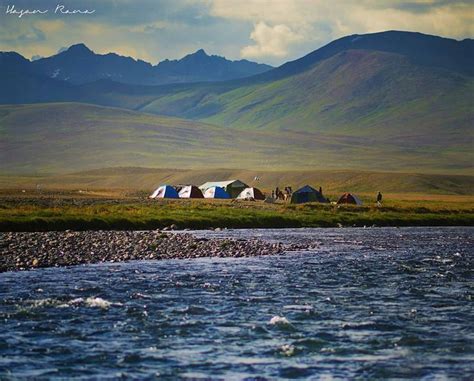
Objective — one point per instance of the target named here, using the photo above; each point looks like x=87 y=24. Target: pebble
x=26 y=250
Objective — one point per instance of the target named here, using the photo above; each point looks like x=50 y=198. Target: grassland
x=98 y=211
x=116 y=198
x=69 y=137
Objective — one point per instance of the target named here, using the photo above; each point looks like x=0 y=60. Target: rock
x=51 y=249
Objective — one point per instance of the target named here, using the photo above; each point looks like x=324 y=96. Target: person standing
x=379 y=199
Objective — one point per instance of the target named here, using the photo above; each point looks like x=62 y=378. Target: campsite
x=119 y=198
x=238 y=190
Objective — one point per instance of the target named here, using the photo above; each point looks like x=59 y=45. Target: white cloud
x=270 y=41
x=317 y=22
x=456 y=21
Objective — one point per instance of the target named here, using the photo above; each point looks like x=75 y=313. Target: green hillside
x=68 y=137
x=354 y=92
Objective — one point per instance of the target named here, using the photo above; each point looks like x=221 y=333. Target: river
x=372 y=303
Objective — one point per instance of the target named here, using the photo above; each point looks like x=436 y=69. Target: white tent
x=251 y=194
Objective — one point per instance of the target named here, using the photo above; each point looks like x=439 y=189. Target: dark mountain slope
x=420 y=49
x=200 y=67
x=79 y=65
x=21 y=83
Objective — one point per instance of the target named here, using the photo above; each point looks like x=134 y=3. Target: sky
x=268 y=31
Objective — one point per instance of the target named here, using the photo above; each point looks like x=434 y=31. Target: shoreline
x=41 y=224
x=26 y=251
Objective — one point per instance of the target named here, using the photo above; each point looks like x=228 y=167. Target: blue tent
x=216 y=192
x=307 y=194
x=165 y=191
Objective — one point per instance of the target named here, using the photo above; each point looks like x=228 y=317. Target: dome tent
x=307 y=194
x=190 y=191
x=165 y=191
x=251 y=194
x=349 y=198
x=216 y=192
x=232 y=187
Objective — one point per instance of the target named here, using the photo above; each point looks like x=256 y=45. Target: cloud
x=317 y=22
x=447 y=20
x=270 y=41
x=50 y=26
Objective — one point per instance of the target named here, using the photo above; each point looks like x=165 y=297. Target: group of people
x=284 y=195
x=278 y=194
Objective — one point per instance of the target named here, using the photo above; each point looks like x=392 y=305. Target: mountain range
x=390 y=100
x=78 y=65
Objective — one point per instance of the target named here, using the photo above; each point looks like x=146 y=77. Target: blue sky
x=266 y=31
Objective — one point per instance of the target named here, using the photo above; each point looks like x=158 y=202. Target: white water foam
x=94 y=302
x=279 y=320
x=287 y=350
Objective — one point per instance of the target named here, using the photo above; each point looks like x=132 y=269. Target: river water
x=361 y=303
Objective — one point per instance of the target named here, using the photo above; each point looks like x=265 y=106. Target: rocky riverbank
x=23 y=251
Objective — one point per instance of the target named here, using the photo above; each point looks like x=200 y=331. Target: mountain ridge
x=460 y=52
x=78 y=65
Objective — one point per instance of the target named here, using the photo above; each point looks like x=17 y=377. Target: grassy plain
x=102 y=210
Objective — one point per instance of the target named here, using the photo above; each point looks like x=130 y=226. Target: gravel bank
x=23 y=251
